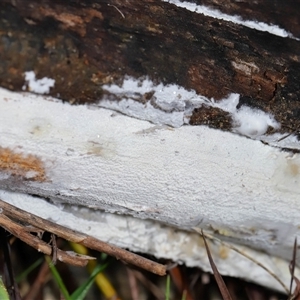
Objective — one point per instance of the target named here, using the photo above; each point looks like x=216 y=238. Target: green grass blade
x=168 y=287
x=25 y=273
x=81 y=292
x=58 y=279
x=3 y=291
x=103 y=257
x=184 y=295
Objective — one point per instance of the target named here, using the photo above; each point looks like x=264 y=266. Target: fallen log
x=170 y=66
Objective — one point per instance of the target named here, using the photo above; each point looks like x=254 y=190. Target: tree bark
x=283 y=13
x=84 y=45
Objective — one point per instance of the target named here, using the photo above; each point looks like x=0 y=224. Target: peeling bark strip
x=84 y=45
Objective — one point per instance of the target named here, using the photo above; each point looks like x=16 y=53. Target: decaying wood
x=87 y=44
x=11 y=212
x=283 y=13
x=84 y=45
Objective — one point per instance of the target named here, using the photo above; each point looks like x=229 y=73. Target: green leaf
x=81 y=292
x=3 y=291
x=184 y=295
x=168 y=287
x=25 y=273
x=58 y=279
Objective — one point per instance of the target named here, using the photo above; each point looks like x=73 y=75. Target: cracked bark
x=283 y=13
x=83 y=45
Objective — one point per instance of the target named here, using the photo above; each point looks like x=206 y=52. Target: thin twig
x=284 y=137
x=245 y=255
x=292 y=266
x=39 y=282
x=154 y=289
x=134 y=288
x=80 y=238
x=117 y=10
x=54 y=249
x=33 y=241
x=8 y=276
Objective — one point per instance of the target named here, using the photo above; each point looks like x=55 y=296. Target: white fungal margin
x=248 y=121
x=173 y=105
x=38 y=86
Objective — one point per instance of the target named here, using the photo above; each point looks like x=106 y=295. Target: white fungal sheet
x=173 y=105
x=186 y=177
x=38 y=86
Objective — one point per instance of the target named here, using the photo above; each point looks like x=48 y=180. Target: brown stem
x=72 y=236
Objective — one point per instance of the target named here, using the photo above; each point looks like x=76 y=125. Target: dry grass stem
x=220 y=282
x=40 y=280
x=211 y=237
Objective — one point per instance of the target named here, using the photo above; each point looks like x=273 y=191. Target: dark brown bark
x=85 y=44
x=282 y=13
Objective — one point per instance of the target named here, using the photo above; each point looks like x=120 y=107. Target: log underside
x=146 y=236
x=117 y=164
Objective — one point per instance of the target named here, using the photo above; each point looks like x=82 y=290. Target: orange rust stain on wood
x=28 y=166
